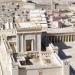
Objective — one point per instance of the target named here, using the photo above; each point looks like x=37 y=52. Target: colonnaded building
x=35 y=40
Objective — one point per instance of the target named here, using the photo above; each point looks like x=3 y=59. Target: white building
x=21 y=41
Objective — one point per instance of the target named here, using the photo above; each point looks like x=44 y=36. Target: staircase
x=5 y=60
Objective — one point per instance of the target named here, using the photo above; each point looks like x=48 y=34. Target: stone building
x=21 y=38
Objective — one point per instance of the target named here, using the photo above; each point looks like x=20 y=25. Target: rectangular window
x=28 y=45
x=40 y=73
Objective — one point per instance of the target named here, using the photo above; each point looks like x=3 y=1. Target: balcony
x=34 y=58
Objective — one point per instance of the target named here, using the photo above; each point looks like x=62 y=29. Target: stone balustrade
x=32 y=53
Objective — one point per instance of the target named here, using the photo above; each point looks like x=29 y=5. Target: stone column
x=68 y=38
x=54 y=39
x=35 y=43
x=22 y=45
x=17 y=43
x=39 y=42
x=60 y=38
x=63 y=38
x=71 y=38
x=51 y=38
x=57 y=39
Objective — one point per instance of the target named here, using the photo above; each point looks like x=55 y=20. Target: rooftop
x=36 y=59
x=61 y=30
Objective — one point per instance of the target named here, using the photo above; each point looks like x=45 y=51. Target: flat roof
x=61 y=30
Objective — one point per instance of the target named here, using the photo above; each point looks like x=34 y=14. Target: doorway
x=29 y=45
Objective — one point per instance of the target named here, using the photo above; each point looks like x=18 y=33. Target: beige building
x=26 y=42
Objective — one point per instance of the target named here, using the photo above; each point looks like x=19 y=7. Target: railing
x=13 y=61
x=28 y=53
x=36 y=53
x=58 y=58
x=46 y=54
